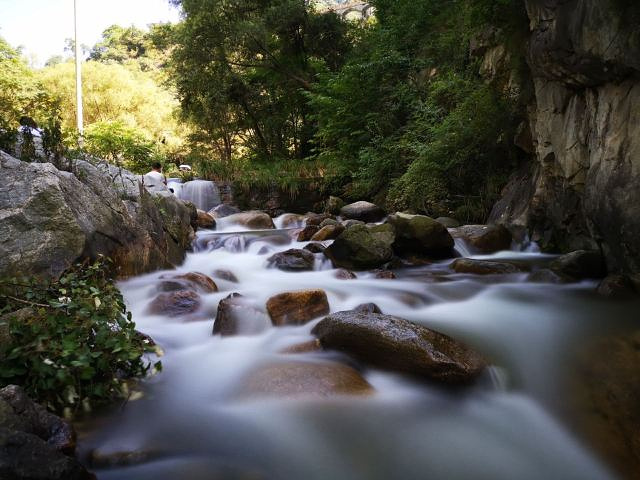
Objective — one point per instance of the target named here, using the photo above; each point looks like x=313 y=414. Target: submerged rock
x=294 y=260
x=484 y=238
x=303 y=379
x=35 y=444
x=393 y=343
x=306 y=347
x=236 y=316
x=363 y=211
x=205 y=220
x=420 y=234
x=227 y=275
x=484 y=267
x=297 y=308
x=360 y=247
x=175 y=304
x=255 y=220
x=581 y=264
x=223 y=210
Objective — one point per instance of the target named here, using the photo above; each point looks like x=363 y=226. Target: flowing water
x=192 y=424
x=202 y=193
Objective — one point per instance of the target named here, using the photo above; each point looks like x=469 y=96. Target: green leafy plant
x=71 y=342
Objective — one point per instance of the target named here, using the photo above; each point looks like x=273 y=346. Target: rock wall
x=582 y=186
x=50 y=219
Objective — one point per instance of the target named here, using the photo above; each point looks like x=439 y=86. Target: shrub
x=71 y=341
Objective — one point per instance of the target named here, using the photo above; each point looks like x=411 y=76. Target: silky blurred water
x=191 y=424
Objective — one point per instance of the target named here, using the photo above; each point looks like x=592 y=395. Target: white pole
x=78 y=74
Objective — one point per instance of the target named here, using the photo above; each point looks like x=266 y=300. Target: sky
x=41 y=26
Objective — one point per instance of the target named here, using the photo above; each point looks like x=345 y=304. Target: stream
x=189 y=423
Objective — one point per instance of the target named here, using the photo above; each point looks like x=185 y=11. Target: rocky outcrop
x=35 y=444
x=581 y=189
x=393 y=343
x=50 y=219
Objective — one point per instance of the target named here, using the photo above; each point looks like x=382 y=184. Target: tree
x=241 y=69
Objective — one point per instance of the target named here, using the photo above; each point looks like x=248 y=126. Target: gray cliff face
x=50 y=219
x=582 y=187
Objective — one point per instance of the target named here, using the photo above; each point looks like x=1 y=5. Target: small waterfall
x=462 y=248
x=202 y=193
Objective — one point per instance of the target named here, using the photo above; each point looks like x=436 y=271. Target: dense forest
x=393 y=108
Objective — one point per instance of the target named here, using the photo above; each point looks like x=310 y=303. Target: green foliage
x=121 y=145
x=75 y=345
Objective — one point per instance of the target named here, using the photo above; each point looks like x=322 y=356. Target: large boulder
x=393 y=343
x=237 y=316
x=49 y=219
x=35 y=444
x=363 y=211
x=254 y=220
x=304 y=379
x=581 y=264
x=484 y=238
x=293 y=260
x=297 y=308
x=420 y=234
x=361 y=247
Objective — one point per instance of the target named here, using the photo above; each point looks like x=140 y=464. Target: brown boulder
x=303 y=379
x=393 y=343
x=484 y=238
x=328 y=232
x=189 y=281
x=255 y=220
x=484 y=267
x=297 y=308
x=204 y=220
x=175 y=304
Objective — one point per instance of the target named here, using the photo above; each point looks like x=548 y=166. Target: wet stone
x=175 y=304
x=344 y=274
x=484 y=267
x=294 y=260
x=297 y=308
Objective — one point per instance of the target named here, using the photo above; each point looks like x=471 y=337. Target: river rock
x=303 y=379
x=384 y=275
x=294 y=260
x=448 y=222
x=334 y=205
x=227 y=275
x=360 y=247
x=223 y=210
x=483 y=267
x=484 y=238
x=344 y=274
x=307 y=233
x=205 y=220
x=328 y=232
x=254 y=220
x=315 y=248
x=51 y=219
x=237 y=316
x=363 y=211
x=35 y=444
x=297 y=308
x=393 y=343
x=175 y=304
x=189 y=281
x=316 y=219
x=581 y=264
x=420 y=234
